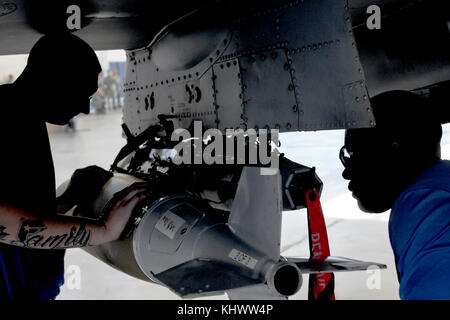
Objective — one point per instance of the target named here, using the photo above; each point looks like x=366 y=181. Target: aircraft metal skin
x=411 y=51
x=283 y=68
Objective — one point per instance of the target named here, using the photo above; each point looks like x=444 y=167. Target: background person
x=118 y=90
x=108 y=90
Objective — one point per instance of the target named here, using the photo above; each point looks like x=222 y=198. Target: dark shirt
x=27 y=181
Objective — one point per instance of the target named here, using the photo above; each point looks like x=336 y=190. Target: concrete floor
x=352 y=233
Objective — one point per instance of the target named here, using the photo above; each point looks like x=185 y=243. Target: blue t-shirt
x=419 y=230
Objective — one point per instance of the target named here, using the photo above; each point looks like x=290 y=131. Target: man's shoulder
x=419 y=232
x=436 y=177
x=424 y=205
x=430 y=189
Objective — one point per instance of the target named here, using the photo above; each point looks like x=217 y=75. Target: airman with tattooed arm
x=33 y=234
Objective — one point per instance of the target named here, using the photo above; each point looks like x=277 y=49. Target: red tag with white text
x=321 y=285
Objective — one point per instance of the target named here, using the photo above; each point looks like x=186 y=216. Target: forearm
x=20 y=228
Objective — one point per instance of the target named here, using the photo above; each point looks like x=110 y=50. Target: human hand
x=121 y=206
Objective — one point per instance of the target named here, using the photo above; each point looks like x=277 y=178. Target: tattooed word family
x=30 y=236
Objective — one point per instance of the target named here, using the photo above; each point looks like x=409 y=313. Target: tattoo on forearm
x=30 y=236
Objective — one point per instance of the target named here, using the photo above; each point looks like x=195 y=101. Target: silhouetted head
x=60 y=77
x=381 y=162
